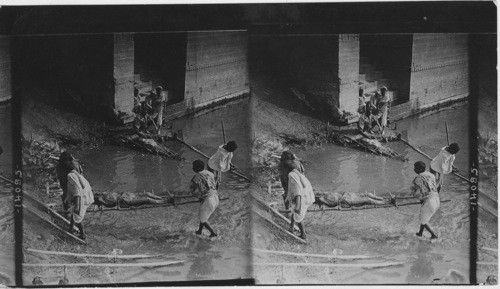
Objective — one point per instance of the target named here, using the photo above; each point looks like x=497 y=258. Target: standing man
x=379 y=104
x=137 y=102
x=442 y=164
x=158 y=103
x=384 y=104
x=300 y=197
x=79 y=198
x=424 y=188
x=65 y=165
x=221 y=160
x=203 y=186
x=288 y=162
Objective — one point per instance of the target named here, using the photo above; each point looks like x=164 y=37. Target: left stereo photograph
x=135 y=168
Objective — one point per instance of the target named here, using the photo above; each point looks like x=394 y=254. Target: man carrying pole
x=442 y=164
x=221 y=160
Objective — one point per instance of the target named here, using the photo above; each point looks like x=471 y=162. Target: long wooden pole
x=66 y=233
x=7 y=180
x=345 y=257
x=487 y=263
x=201 y=153
x=92 y=255
x=155 y=264
x=279 y=227
x=274 y=211
x=447 y=136
x=368 y=265
x=49 y=210
x=427 y=156
x=223 y=131
x=490 y=249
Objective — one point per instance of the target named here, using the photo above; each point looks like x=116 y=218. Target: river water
x=389 y=233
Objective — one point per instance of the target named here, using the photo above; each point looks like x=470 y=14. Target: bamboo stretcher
x=366 y=207
x=147 y=206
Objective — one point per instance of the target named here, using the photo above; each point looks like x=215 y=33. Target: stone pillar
x=5 y=69
x=123 y=71
x=348 y=72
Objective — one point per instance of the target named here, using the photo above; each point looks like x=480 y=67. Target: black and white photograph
x=215 y=144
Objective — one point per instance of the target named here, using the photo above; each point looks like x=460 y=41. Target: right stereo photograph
x=362 y=156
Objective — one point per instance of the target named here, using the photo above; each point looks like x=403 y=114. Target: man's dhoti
x=385 y=111
x=298 y=217
x=429 y=208
x=78 y=218
x=207 y=207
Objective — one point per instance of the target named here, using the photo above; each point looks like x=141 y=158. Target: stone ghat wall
x=5 y=69
x=216 y=67
x=439 y=69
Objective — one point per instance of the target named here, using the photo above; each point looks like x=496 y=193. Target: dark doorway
x=160 y=59
x=385 y=60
